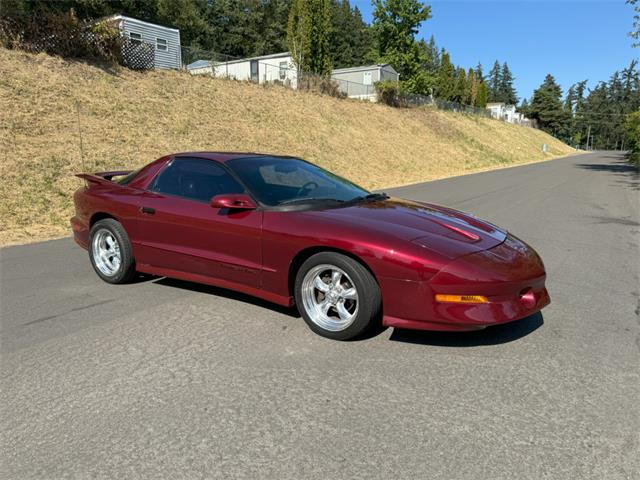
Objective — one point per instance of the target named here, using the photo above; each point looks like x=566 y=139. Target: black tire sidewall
x=126 y=270
x=369 y=301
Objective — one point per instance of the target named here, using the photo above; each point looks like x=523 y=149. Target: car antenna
x=80 y=136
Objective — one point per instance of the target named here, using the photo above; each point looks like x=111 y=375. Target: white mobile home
x=164 y=40
x=507 y=113
x=355 y=82
x=496 y=109
x=277 y=67
x=358 y=82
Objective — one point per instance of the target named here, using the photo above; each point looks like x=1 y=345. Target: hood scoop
x=470 y=236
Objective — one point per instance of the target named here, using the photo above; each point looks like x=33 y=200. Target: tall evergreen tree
x=431 y=56
x=579 y=91
x=308 y=32
x=472 y=87
x=271 y=26
x=524 y=108
x=632 y=136
x=480 y=72
x=445 y=81
x=460 y=87
x=506 y=91
x=350 y=36
x=570 y=100
x=601 y=113
x=483 y=95
x=631 y=83
x=635 y=33
x=232 y=22
x=547 y=109
x=494 y=82
x=189 y=17
x=569 y=106
x=364 y=48
x=578 y=125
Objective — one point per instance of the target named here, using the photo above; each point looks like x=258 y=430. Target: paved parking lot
x=167 y=379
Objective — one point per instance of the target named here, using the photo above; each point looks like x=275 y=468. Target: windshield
x=278 y=181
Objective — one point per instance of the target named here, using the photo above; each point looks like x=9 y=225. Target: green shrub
x=62 y=34
x=389 y=92
x=632 y=128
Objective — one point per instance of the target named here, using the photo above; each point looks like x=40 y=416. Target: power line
x=597 y=114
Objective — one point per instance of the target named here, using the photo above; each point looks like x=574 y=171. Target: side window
x=136 y=38
x=195 y=179
x=161 y=44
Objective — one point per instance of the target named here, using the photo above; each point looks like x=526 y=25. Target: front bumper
x=511 y=276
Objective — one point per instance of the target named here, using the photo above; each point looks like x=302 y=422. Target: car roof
x=223 y=156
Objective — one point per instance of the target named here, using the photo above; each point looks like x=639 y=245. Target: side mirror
x=234 y=201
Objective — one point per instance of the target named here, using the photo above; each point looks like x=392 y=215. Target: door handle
x=148 y=210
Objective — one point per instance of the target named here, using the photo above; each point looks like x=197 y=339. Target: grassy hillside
x=128 y=119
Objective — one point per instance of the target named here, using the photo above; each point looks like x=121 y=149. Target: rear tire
x=337 y=296
x=110 y=252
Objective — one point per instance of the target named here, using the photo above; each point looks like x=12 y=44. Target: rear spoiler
x=102 y=177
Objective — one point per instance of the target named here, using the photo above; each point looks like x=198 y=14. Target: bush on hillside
x=389 y=93
x=61 y=34
x=320 y=84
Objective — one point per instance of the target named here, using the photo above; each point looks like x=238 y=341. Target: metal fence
x=415 y=100
x=193 y=54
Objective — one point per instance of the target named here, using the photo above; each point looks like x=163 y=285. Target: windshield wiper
x=368 y=198
x=376 y=196
x=309 y=199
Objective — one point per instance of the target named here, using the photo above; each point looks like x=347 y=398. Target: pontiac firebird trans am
x=287 y=231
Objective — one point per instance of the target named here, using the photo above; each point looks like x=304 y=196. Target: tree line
x=594 y=118
x=320 y=34
x=325 y=34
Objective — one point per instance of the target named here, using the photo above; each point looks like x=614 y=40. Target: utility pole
x=588 y=134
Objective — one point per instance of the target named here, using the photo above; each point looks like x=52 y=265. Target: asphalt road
x=166 y=379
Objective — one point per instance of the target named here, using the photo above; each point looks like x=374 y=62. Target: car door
x=179 y=230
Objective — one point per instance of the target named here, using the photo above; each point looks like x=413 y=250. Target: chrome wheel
x=329 y=297
x=106 y=252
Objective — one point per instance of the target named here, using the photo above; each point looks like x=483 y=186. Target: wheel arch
x=97 y=216
x=307 y=252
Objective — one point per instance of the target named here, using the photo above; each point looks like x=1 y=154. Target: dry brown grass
x=128 y=119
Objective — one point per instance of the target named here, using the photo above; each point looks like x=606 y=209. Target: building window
x=161 y=44
x=366 y=78
x=283 y=70
x=136 y=38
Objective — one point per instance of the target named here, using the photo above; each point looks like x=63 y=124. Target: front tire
x=110 y=252
x=337 y=296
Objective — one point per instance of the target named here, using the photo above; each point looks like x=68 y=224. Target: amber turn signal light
x=461 y=298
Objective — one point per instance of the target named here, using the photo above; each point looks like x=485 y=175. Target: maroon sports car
x=287 y=231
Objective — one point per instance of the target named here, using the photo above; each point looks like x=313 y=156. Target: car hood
x=446 y=231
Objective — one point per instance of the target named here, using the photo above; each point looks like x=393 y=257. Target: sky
x=573 y=40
